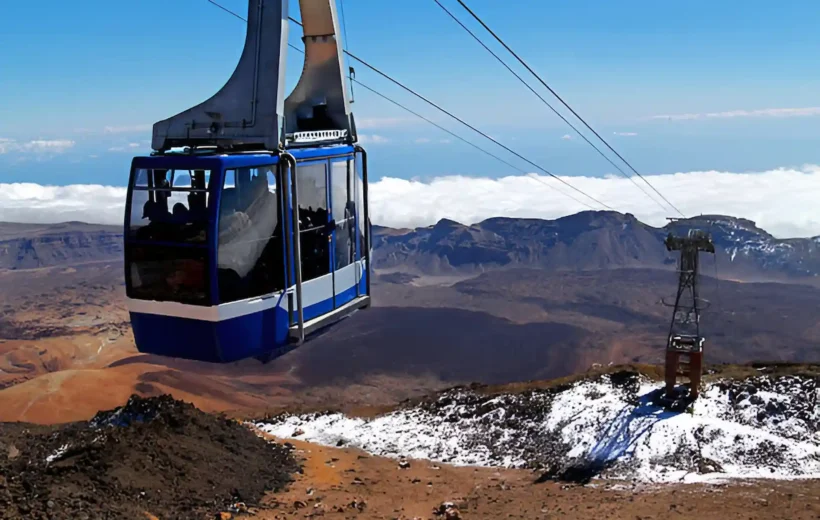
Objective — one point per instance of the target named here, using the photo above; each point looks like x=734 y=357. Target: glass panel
x=170 y=206
x=312 y=192
x=230 y=179
x=313 y=220
x=315 y=253
x=181 y=179
x=163 y=273
x=344 y=210
x=160 y=178
x=250 y=260
x=141 y=178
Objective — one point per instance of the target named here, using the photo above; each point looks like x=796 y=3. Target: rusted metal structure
x=684 y=347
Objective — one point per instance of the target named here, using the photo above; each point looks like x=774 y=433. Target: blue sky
x=85 y=80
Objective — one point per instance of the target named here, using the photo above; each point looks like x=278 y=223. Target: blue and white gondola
x=254 y=235
x=230 y=280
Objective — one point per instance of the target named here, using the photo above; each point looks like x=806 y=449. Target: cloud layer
x=368 y=123
x=128 y=129
x=372 y=139
x=35 y=146
x=27 y=202
x=782 y=201
x=765 y=112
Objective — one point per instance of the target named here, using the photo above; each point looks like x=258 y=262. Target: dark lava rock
x=154 y=455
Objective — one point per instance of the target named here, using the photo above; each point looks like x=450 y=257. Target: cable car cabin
x=244 y=255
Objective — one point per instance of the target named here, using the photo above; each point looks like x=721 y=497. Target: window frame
x=325 y=162
x=349 y=162
x=151 y=190
x=213 y=172
x=273 y=167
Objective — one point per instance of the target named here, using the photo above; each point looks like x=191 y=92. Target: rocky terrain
x=611 y=425
x=345 y=482
x=161 y=459
x=64 y=332
x=149 y=458
x=439 y=322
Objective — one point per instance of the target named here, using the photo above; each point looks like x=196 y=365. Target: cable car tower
x=247 y=229
x=684 y=338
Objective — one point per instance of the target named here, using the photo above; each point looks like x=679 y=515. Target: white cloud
x=7 y=145
x=369 y=123
x=127 y=129
x=56 y=145
x=765 y=112
x=566 y=137
x=372 y=139
x=35 y=146
x=781 y=201
x=124 y=148
x=427 y=140
x=626 y=134
x=26 y=202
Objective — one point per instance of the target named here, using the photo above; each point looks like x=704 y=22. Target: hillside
x=398 y=381
x=523 y=324
x=30 y=246
x=601 y=425
x=592 y=447
x=64 y=329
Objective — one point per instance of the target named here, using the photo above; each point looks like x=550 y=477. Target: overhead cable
x=544 y=101
x=474 y=129
x=462 y=139
x=450 y=114
x=468 y=142
x=227 y=10
x=479 y=20
x=344 y=24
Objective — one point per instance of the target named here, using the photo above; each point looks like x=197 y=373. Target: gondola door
x=315 y=237
x=343 y=210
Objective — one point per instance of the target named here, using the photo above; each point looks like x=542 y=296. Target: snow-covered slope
x=743 y=243
x=764 y=427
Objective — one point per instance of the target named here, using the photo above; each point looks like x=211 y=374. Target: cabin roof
x=234 y=160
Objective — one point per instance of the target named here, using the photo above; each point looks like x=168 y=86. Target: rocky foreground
x=518 y=451
x=152 y=458
x=609 y=426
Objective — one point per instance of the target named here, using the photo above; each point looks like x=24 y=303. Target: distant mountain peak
x=446 y=222
x=591 y=240
x=724 y=220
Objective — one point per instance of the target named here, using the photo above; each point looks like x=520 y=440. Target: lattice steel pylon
x=684 y=338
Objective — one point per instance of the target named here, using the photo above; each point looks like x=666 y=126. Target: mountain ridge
x=32 y=246
x=588 y=240
x=591 y=240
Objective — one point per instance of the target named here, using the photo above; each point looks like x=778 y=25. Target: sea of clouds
x=782 y=201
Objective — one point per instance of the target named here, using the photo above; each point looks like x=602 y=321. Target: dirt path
x=347 y=483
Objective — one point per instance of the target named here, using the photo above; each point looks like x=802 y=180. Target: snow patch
x=57 y=454
x=763 y=427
